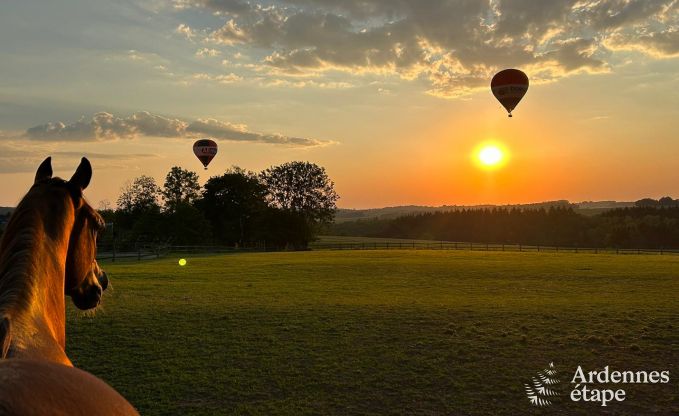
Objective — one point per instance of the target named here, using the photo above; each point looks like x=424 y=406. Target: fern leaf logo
x=540 y=390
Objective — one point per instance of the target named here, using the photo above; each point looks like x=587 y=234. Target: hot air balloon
x=205 y=150
x=509 y=86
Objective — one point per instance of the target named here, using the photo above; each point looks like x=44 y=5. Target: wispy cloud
x=105 y=126
x=207 y=52
x=219 y=78
x=17 y=156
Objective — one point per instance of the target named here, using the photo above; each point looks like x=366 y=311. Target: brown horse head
x=85 y=280
x=48 y=251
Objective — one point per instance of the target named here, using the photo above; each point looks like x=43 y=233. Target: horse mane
x=24 y=231
x=16 y=263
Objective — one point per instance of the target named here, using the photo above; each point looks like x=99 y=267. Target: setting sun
x=490 y=156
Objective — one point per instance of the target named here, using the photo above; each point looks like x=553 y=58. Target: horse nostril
x=103 y=280
x=96 y=293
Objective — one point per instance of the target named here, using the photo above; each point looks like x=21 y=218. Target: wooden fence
x=448 y=245
x=151 y=251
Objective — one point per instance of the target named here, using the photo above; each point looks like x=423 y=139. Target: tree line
x=641 y=226
x=281 y=207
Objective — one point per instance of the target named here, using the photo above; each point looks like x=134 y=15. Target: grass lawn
x=379 y=332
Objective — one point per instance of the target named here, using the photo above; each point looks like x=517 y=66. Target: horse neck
x=32 y=270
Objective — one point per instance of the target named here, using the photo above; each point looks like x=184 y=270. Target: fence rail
x=148 y=252
x=151 y=251
x=447 y=245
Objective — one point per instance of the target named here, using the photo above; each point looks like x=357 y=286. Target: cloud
x=207 y=52
x=105 y=126
x=221 y=78
x=186 y=31
x=576 y=55
x=304 y=83
x=238 y=132
x=663 y=44
x=456 y=46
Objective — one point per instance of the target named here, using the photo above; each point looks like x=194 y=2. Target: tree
x=667 y=201
x=233 y=203
x=646 y=202
x=181 y=187
x=306 y=197
x=186 y=225
x=139 y=196
x=304 y=188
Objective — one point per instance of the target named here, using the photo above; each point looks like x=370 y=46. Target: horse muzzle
x=103 y=280
x=87 y=296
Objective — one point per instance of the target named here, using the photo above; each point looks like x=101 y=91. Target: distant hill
x=347 y=214
x=585 y=208
x=603 y=204
x=590 y=208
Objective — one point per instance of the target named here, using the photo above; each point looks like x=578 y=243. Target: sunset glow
x=395 y=118
x=490 y=156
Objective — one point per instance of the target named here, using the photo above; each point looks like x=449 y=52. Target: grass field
x=379 y=332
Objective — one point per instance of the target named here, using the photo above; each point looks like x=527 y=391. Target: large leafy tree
x=181 y=187
x=141 y=195
x=233 y=203
x=187 y=225
x=138 y=217
x=303 y=188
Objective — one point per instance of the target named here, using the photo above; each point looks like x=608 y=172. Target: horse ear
x=82 y=176
x=44 y=170
x=5 y=336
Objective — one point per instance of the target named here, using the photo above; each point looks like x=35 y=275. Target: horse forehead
x=50 y=189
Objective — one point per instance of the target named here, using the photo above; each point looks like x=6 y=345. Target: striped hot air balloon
x=509 y=86
x=205 y=150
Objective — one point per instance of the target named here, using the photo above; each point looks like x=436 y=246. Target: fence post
x=519 y=247
x=138 y=253
x=538 y=248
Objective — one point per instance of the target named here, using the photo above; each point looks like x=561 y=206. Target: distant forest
x=648 y=224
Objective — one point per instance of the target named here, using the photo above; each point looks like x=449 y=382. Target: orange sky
x=395 y=121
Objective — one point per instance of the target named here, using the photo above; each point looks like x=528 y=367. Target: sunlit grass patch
x=374 y=332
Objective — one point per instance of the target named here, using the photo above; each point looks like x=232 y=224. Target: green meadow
x=379 y=332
